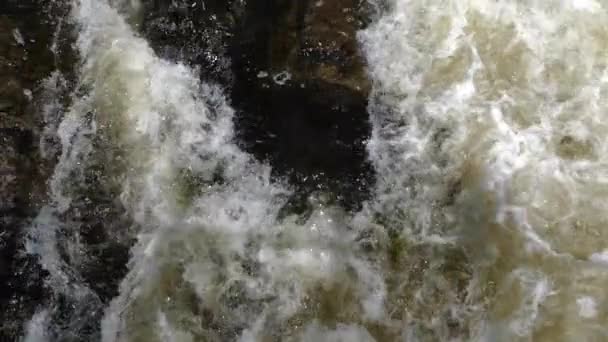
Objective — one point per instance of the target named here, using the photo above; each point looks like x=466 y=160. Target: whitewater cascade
x=486 y=224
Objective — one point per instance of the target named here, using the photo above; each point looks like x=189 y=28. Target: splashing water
x=212 y=259
x=487 y=222
x=488 y=122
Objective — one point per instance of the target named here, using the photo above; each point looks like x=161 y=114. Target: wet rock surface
x=293 y=73
x=37 y=75
x=195 y=32
x=24 y=61
x=301 y=90
x=36 y=78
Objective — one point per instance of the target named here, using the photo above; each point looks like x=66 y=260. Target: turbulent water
x=486 y=224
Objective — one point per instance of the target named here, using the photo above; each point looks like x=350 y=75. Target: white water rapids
x=488 y=217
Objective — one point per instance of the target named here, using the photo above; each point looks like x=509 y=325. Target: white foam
x=169 y=124
x=281 y=78
x=37 y=328
x=536 y=290
x=587 y=307
x=18 y=37
x=600 y=258
x=488 y=133
x=586 y=5
x=487 y=140
x=342 y=333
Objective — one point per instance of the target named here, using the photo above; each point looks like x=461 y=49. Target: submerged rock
x=301 y=91
x=22 y=48
x=295 y=76
x=28 y=47
x=313 y=41
x=193 y=31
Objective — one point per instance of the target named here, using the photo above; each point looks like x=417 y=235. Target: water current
x=486 y=221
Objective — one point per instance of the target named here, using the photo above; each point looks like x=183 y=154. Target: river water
x=487 y=217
